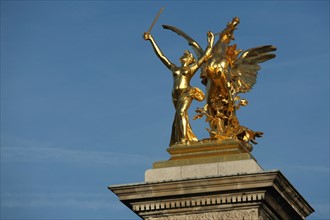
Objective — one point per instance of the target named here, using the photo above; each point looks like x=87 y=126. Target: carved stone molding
x=266 y=195
x=251 y=214
x=195 y=202
x=263 y=216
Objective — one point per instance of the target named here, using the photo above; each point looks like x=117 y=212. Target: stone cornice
x=194 y=186
x=269 y=188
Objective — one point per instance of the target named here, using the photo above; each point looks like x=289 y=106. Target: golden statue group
x=226 y=72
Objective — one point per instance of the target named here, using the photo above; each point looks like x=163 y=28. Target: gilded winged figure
x=226 y=74
x=183 y=93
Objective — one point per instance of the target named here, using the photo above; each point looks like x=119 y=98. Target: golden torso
x=181 y=79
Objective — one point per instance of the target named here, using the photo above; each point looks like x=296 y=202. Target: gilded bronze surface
x=226 y=72
x=183 y=93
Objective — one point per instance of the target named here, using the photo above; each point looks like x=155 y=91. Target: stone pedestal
x=201 y=153
x=202 y=170
x=222 y=186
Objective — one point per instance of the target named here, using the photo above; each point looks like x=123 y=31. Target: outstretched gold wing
x=195 y=46
x=244 y=70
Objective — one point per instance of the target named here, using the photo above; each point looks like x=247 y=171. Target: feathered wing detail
x=195 y=46
x=244 y=70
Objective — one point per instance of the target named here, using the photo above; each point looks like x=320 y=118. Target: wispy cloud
x=297 y=61
x=315 y=166
x=310 y=168
x=49 y=154
x=34 y=151
x=91 y=201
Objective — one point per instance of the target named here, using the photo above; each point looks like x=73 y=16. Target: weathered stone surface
x=202 y=170
x=250 y=214
x=264 y=195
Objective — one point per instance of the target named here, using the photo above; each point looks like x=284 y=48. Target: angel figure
x=183 y=93
x=227 y=73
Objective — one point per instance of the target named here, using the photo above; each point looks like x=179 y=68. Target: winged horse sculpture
x=226 y=74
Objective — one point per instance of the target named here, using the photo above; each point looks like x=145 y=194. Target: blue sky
x=85 y=103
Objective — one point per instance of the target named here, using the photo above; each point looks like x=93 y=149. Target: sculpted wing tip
x=247 y=65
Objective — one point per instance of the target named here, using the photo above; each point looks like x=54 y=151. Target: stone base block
x=202 y=170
